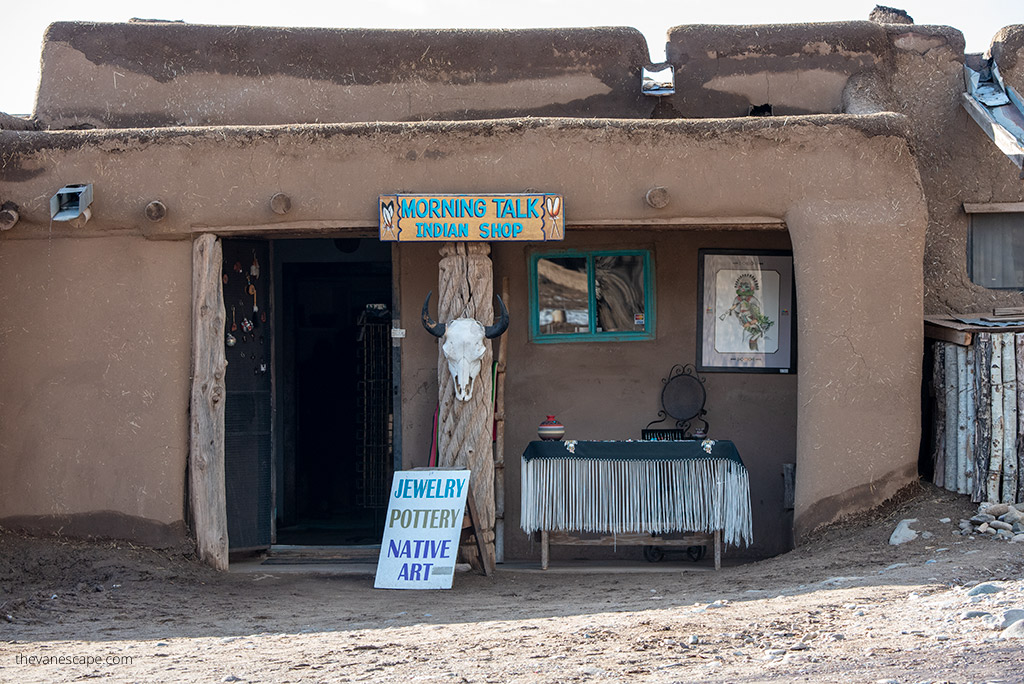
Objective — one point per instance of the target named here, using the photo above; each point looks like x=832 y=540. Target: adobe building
x=234 y=176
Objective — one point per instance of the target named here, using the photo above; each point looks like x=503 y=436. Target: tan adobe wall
x=1008 y=50
x=841 y=183
x=169 y=74
x=957 y=162
x=798 y=68
x=94 y=362
x=611 y=390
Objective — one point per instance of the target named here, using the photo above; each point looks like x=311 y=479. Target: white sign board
x=422 y=530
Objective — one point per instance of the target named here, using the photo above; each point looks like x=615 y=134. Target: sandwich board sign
x=422 y=529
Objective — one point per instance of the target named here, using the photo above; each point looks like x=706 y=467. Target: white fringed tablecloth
x=636 y=487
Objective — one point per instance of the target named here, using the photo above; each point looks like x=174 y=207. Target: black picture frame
x=746 y=320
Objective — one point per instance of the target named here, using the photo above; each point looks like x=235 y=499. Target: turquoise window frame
x=648 y=332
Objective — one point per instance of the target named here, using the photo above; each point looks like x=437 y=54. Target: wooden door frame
x=206 y=471
x=396 y=357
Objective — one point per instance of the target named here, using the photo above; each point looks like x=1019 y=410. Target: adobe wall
x=865 y=311
x=856 y=193
x=1008 y=50
x=798 y=68
x=171 y=74
x=94 y=363
x=960 y=164
x=859 y=68
x=841 y=183
x=611 y=390
x=262 y=75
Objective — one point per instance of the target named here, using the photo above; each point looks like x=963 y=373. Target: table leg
x=718 y=549
x=544 y=549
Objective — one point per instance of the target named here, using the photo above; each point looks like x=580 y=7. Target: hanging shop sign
x=422 y=529
x=476 y=218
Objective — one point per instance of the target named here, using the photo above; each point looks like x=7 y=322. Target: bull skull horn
x=433 y=327
x=492 y=331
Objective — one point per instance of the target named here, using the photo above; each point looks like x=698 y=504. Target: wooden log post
x=1008 y=492
x=206 y=448
x=995 y=462
x=465 y=287
x=1019 y=344
x=972 y=419
x=939 y=390
x=983 y=439
x=952 y=411
x=962 y=462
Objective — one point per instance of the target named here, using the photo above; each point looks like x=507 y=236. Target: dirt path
x=847 y=607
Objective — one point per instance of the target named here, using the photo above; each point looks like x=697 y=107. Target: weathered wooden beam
x=993 y=207
x=1008 y=491
x=983 y=439
x=952 y=416
x=938 y=332
x=967 y=466
x=8 y=215
x=368 y=226
x=939 y=421
x=962 y=462
x=995 y=462
x=1013 y=469
x=206 y=447
x=1019 y=496
x=465 y=428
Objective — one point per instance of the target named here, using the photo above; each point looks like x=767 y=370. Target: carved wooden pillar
x=465 y=286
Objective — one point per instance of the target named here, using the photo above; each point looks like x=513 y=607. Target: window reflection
x=562 y=298
x=620 y=292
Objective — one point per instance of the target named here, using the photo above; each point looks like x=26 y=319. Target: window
x=591 y=296
x=995 y=250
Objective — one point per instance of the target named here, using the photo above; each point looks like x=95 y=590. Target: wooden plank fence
x=979 y=417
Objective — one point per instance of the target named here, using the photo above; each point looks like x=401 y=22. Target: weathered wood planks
x=939 y=416
x=995 y=452
x=952 y=412
x=978 y=392
x=983 y=411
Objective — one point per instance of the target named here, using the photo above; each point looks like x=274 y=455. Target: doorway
x=334 y=455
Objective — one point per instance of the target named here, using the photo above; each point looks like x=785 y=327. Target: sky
x=25 y=21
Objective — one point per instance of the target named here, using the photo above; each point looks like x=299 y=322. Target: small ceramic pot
x=551 y=429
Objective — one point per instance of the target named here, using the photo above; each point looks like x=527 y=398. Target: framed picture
x=746 y=322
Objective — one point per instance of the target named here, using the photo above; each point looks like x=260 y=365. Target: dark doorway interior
x=247 y=408
x=336 y=399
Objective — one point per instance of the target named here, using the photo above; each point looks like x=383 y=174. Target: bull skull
x=464 y=345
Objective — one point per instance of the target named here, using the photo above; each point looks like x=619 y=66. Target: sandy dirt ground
x=846 y=607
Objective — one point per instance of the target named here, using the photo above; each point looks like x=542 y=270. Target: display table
x=636 y=491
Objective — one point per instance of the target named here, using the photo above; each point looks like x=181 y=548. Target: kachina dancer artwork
x=747 y=303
